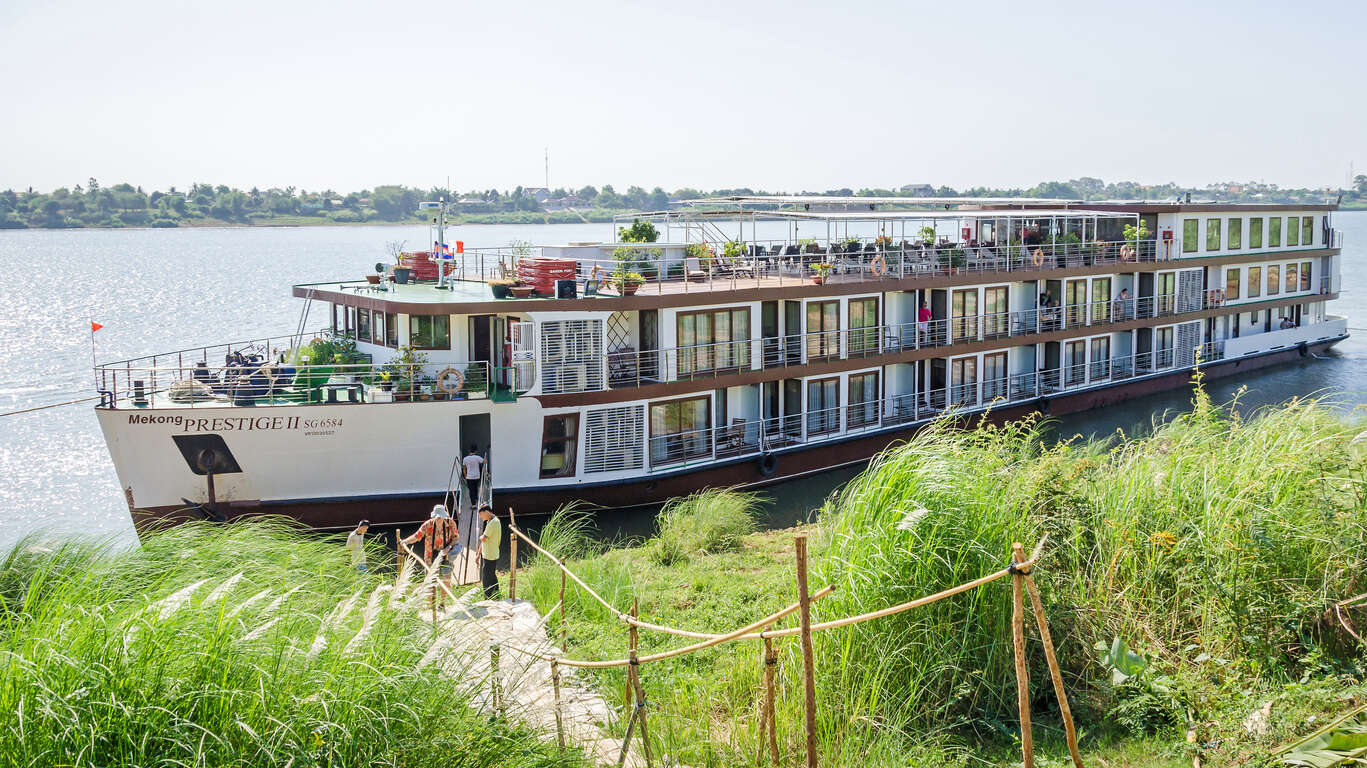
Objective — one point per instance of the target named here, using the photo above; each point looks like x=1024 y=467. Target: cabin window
x=1292 y=232
x=863 y=326
x=1101 y=357
x=1255 y=282
x=1232 y=283
x=963 y=381
x=1274 y=285
x=1292 y=279
x=350 y=315
x=1274 y=232
x=1255 y=232
x=713 y=339
x=336 y=329
x=1235 y=237
x=863 y=399
x=1212 y=234
x=964 y=314
x=994 y=376
x=1191 y=233
x=823 y=406
x=559 y=440
x=1075 y=363
x=680 y=430
x=1163 y=346
x=1101 y=300
x=429 y=331
x=1305 y=275
x=1308 y=230
x=391 y=330
x=363 y=325
x=995 y=318
x=823 y=329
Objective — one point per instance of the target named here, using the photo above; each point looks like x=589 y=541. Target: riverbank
x=352 y=219
x=1189 y=579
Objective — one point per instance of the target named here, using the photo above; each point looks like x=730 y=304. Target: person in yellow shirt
x=489 y=542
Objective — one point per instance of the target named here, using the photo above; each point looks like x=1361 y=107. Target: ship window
x=680 y=430
x=1274 y=285
x=363 y=325
x=1292 y=232
x=335 y=328
x=1101 y=357
x=1292 y=281
x=1232 y=283
x=1308 y=230
x=1255 y=232
x=429 y=331
x=863 y=399
x=713 y=339
x=863 y=326
x=1274 y=232
x=1190 y=234
x=559 y=438
x=1305 y=275
x=994 y=376
x=391 y=330
x=1255 y=282
x=1235 y=239
x=823 y=406
x=1212 y=234
x=823 y=329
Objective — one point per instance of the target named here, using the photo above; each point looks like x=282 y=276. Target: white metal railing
x=755 y=436
x=264 y=383
x=629 y=367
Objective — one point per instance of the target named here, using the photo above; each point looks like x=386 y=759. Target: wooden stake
x=559 y=723
x=398 y=551
x=495 y=693
x=637 y=689
x=1022 y=675
x=768 y=726
x=512 y=568
x=564 y=625
x=808 y=662
x=1048 y=642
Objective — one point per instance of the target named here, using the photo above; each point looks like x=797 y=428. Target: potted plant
x=927 y=235
x=502 y=288
x=520 y=290
x=475 y=381
x=820 y=271
x=373 y=279
x=403 y=369
x=627 y=283
x=401 y=274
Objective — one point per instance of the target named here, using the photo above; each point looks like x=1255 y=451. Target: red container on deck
x=542 y=272
x=424 y=268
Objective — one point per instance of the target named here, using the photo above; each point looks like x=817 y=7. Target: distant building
x=541 y=194
x=918 y=190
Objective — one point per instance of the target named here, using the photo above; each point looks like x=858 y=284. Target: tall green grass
x=243 y=645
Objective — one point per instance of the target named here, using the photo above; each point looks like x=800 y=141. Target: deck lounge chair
x=693 y=269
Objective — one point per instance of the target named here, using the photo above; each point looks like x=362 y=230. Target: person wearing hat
x=440 y=534
x=489 y=542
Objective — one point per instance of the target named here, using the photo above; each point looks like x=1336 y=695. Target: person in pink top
x=923 y=320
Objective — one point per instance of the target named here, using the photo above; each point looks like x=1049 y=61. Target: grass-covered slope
x=1214 y=548
x=247 y=645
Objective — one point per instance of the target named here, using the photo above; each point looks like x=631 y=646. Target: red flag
x=460 y=246
x=94 y=326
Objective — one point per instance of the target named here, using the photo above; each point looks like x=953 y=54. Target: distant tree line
x=124 y=205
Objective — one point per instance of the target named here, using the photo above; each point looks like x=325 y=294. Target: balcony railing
x=744 y=437
x=632 y=368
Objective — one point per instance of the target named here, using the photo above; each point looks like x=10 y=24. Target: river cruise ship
x=757 y=339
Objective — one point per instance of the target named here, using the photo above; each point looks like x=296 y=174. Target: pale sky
x=775 y=95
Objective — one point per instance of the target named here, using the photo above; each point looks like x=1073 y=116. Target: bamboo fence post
x=1070 y=731
x=564 y=626
x=1018 y=645
x=494 y=692
x=768 y=726
x=808 y=663
x=512 y=568
x=637 y=689
x=559 y=722
x=398 y=553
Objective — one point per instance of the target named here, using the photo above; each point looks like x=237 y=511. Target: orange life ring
x=1037 y=258
x=444 y=381
x=878 y=266
x=1126 y=253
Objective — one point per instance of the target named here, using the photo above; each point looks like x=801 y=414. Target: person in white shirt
x=355 y=545
x=473 y=464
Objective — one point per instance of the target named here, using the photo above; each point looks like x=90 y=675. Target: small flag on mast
x=94 y=326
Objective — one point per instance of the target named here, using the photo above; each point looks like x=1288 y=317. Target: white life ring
x=444 y=380
x=1037 y=258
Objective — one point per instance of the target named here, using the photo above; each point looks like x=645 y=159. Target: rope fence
x=1019 y=569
